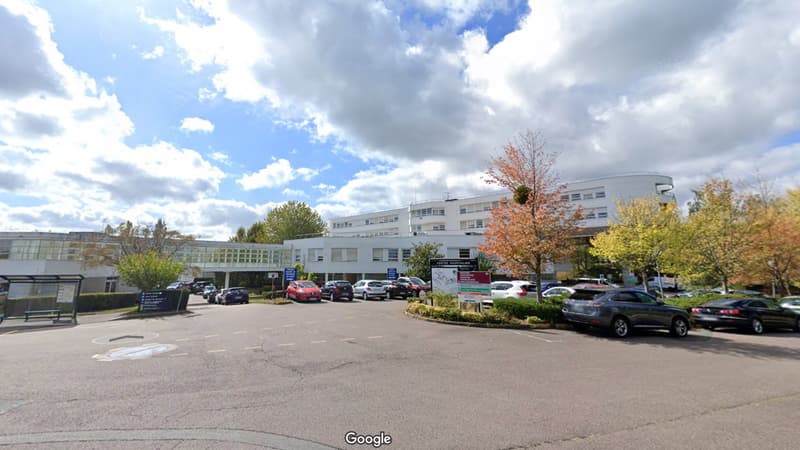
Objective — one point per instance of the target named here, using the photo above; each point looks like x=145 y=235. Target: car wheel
x=333 y=298
x=350 y=298
x=680 y=327
x=756 y=325
x=620 y=327
x=579 y=326
x=364 y=296
x=388 y=296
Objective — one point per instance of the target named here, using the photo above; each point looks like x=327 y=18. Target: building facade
x=360 y=246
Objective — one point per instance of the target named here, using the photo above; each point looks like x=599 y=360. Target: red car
x=415 y=284
x=303 y=290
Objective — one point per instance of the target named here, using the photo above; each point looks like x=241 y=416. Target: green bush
x=107 y=300
x=495 y=316
x=472 y=317
x=534 y=319
x=444 y=300
x=521 y=309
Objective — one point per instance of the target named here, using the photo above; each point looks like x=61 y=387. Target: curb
x=510 y=326
x=147 y=315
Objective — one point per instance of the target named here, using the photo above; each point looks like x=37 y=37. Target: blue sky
x=356 y=106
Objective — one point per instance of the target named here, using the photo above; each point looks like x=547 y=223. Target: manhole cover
x=137 y=352
x=125 y=338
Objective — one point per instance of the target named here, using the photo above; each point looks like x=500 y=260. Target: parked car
x=510 y=289
x=792 y=302
x=337 y=289
x=667 y=283
x=558 y=291
x=198 y=287
x=219 y=296
x=588 y=280
x=416 y=285
x=396 y=289
x=367 y=289
x=303 y=290
x=209 y=292
x=744 y=292
x=178 y=285
x=623 y=310
x=235 y=295
x=754 y=314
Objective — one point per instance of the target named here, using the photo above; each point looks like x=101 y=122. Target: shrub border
x=510 y=326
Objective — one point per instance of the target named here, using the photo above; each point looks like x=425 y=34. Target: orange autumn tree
x=535 y=227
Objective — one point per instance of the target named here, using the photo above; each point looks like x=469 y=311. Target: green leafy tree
x=256 y=233
x=643 y=238
x=485 y=263
x=130 y=239
x=716 y=234
x=149 y=270
x=419 y=264
x=292 y=220
x=302 y=274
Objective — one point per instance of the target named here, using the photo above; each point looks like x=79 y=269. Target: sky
x=211 y=113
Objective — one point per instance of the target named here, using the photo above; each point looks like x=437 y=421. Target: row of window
x=478 y=207
x=425 y=212
x=472 y=224
x=577 y=196
x=596 y=213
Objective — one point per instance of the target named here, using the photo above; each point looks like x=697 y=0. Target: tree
x=419 y=264
x=772 y=254
x=535 y=228
x=137 y=240
x=485 y=263
x=715 y=236
x=292 y=220
x=256 y=233
x=148 y=270
x=643 y=238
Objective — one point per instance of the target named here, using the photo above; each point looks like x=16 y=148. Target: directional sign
x=474 y=287
x=289 y=274
x=273 y=275
x=391 y=273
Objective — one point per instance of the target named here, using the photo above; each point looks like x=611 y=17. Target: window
x=646 y=299
x=297 y=255
x=757 y=304
x=111 y=284
x=626 y=297
x=590 y=215
x=478 y=223
x=377 y=254
x=576 y=197
x=600 y=194
x=406 y=253
x=438 y=227
x=463 y=253
x=602 y=215
x=565 y=197
x=462 y=210
x=344 y=255
x=315 y=254
x=392 y=254
x=588 y=196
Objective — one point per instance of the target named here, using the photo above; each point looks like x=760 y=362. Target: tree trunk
x=725 y=285
x=644 y=281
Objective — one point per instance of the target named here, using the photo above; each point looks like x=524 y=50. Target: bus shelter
x=32 y=297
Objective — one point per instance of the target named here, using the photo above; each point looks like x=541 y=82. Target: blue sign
x=391 y=273
x=289 y=274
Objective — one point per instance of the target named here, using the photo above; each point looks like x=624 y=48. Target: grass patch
x=126 y=309
x=270 y=301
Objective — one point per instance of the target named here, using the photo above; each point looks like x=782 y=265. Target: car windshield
x=586 y=294
x=416 y=280
x=342 y=284
x=306 y=284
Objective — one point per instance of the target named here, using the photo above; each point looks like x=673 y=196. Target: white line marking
x=319 y=342
x=211 y=335
x=180 y=354
x=182 y=339
x=267 y=328
x=286 y=345
x=331 y=320
x=536 y=337
x=218 y=350
x=239 y=332
x=310 y=322
x=375 y=337
x=255 y=347
x=348 y=339
x=288 y=325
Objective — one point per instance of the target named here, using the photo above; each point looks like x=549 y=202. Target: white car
x=556 y=291
x=792 y=303
x=367 y=289
x=511 y=289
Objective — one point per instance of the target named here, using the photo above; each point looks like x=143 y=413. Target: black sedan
x=397 y=289
x=754 y=314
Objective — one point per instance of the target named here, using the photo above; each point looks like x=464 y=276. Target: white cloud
x=206 y=94
x=157 y=52
x=275 y=174
x=197 y=124
x=220 y=157
x=298 y=193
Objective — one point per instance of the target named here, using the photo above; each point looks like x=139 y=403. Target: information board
x=391 y=273
x=474 y=287
x=157 y=300
x=66 y=293
x=289 y=274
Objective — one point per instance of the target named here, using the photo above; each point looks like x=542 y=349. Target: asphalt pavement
x=304 y=375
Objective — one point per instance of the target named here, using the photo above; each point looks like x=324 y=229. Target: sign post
x=391 y=273
x=444 y=273
x=474 y=287
x=272 y=276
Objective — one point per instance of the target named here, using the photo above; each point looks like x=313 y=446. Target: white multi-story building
x=597 y=197
x=365 y=245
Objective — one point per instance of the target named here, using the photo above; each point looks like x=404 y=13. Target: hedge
x=107 y=300
x=522 y=309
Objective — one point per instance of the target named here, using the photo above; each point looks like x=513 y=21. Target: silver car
x=792 y=302
x=367 y=289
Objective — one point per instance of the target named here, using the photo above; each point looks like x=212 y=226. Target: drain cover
x=137 y=352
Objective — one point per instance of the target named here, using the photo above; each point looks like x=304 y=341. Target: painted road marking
x=549 y=341
x=182 y=339
x=180 y=354
x=239 y=332
x=288 y=325
x=375 y=337
x=348 y=339
x=311 y=322
x=286 y=345
x=211 y=335
x=319 y=342
x=217 y=350
x=267 y=328
x=255 y=347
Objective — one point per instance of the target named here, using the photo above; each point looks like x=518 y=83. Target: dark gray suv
x=622 y=310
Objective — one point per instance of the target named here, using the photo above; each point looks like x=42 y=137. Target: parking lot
x=303 y=375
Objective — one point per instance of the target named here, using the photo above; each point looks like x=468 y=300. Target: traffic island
x=488 y=319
